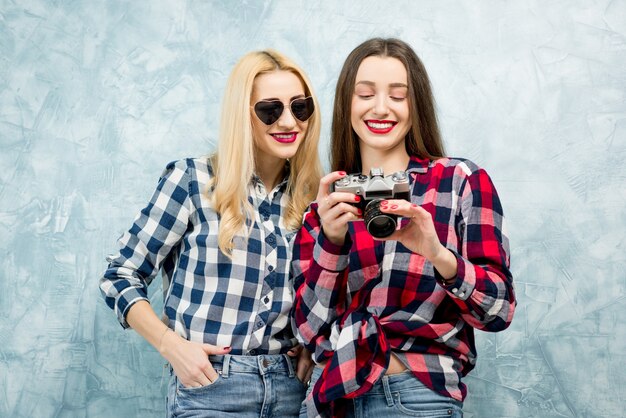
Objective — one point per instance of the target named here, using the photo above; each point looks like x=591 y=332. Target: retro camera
x=373 y=189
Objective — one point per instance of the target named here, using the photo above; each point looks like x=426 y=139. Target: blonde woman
x=220 y=230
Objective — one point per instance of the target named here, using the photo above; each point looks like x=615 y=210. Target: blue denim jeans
x=397 y=395
x=247 y=386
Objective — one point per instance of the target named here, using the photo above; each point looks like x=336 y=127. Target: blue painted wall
x=97 y=96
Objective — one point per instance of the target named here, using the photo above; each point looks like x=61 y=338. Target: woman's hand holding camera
x=336 y=209
x=419 y=236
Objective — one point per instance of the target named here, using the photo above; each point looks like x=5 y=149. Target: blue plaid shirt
x=243 y=303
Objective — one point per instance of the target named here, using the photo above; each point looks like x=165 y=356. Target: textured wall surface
x=97 y=96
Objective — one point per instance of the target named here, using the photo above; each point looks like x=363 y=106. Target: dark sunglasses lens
x=302 y=109
x=269 y=112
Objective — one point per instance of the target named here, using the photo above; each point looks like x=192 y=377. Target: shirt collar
x=256 y=180
x=418 y=165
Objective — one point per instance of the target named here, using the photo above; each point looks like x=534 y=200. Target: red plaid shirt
x=357 y=303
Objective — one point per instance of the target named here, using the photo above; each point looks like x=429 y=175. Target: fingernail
x=343 y=173
x=357 y=198
x=414 y=205
x=384 y=202
x=360 y=212
x=226 y=348
x=394 y=206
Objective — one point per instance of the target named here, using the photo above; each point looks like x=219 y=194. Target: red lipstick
x=285 y=137
x=380 y=127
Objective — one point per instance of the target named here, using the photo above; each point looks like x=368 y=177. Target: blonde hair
x=234 y=164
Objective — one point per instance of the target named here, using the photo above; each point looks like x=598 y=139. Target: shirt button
x=461 y=294
x=455 y=290
x=271 y=239
x=266 y=300
x=252 y=352
x=270 y=268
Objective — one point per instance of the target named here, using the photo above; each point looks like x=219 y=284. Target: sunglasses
x=269 y=111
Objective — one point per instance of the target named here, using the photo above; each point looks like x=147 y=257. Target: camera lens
x=378 y=224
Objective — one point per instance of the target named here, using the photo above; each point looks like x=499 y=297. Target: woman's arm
x=478 y=278
x=483 y=285
x=189 y=360
x=319 y=270
x=319 y=265
x=157 y=229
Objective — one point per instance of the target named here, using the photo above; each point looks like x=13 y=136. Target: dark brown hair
x=422 y=140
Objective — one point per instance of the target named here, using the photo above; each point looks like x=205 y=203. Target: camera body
x=373 y=189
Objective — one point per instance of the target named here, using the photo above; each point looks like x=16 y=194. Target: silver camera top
x=376 y=185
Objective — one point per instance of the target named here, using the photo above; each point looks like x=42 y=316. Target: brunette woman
x=390 y=313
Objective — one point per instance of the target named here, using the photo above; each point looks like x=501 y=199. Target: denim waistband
x=261 y=364
x=392 y=384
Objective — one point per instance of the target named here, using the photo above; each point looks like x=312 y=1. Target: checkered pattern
x=243 y=303
x=357 y=303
